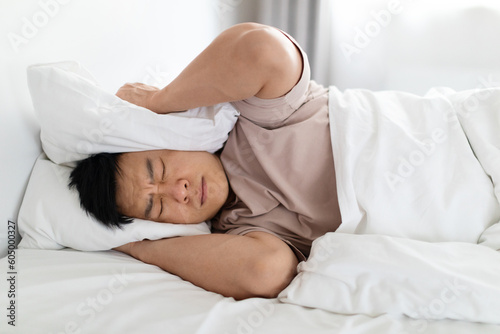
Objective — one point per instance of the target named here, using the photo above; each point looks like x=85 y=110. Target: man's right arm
x=257 y=264
x=245 y=60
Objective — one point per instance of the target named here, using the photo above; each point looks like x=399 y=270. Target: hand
x=138 y=93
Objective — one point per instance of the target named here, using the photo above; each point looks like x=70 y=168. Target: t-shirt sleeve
x=271 y=112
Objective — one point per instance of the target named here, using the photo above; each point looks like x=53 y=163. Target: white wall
x=118 y=40
x=420 y=44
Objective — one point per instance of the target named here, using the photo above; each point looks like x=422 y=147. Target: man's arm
x=257 y=264
x=245 y=60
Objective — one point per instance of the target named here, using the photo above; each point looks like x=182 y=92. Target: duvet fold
x=376 y=275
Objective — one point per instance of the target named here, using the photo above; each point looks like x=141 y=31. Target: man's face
x=167 y=186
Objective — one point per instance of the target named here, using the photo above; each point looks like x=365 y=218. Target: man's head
x=166 y=186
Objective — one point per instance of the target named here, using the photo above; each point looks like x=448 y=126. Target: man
x=271 y=192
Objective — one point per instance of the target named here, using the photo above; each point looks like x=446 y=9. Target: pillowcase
x=78 y=118
x=51 y=218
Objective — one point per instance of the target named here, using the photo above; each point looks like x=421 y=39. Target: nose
x=179 y=190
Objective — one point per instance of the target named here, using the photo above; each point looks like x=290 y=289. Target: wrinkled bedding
x=68 y=291
x=418 y=181
x=405 y=167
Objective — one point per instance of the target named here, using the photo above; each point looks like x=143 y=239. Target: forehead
x=134 y=162
x=133 y=157
x=179 y=159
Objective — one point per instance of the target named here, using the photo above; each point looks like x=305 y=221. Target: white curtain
x=308 y=21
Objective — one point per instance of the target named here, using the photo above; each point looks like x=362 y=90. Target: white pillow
x=78 y=118
x=51 y=218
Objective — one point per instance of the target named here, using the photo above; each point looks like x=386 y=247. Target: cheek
x=189 y=215
x=178 y=214
x=221 y=189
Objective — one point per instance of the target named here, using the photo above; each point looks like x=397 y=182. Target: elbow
x=271 y=274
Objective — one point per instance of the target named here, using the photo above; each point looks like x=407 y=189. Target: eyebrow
x=149 y=166
x=149 y=207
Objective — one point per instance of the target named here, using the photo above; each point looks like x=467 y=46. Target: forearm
x=226 y=264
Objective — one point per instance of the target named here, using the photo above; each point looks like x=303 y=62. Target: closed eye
x=162 y=180
x=161 y=207
x=163 y=173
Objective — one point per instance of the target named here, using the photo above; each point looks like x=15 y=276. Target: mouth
x=203 y=192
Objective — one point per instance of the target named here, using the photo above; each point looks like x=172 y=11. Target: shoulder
x=273 y=51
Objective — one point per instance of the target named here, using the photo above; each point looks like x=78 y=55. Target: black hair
x=95 y=180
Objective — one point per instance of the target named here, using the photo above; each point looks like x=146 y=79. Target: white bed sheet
x=66 y=291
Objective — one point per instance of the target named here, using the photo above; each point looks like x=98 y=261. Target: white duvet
x=405 y=168
x=418 y=181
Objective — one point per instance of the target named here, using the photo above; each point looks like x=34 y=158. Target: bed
x=376 y=274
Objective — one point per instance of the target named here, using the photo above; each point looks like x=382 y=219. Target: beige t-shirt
x=279 y=163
